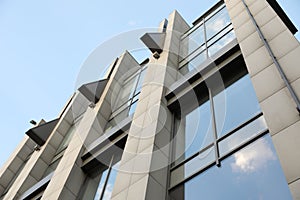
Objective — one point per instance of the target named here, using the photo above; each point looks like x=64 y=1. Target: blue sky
x=44 y=43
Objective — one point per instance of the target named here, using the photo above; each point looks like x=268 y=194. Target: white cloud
x=253 y=158
x=217 y=25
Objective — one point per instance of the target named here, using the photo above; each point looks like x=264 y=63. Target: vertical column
x=68 y=177
x=143 y=171
x=275 y=100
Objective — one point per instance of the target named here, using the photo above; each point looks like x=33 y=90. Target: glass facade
x=225 y=120
x=99 y=184
x=220 y=142
x=212 y=33
x=127 y=98
x=246 y=174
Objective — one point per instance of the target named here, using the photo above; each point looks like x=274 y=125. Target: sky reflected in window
x=251 y=173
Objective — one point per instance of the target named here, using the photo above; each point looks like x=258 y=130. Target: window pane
x=217 y=23
x=194 y=132
x=247 y=174
x=192 y=166
x=242 y=135
x=67 y=137
x=132 y=108
x=140 y=82
x=192 y=42
x=194 y=63
x=100 y=185
x=126 y=92
x=235 y=105
x=226 y=39
x=111 y=182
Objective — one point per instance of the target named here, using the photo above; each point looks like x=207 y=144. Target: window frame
x=204 y=47
x=236 y=75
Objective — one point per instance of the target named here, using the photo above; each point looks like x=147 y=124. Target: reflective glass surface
x=236 y=104
x=242 y=135
x=216 y=23
x=194 y=132
x=99 y=189
x=126 y=91
x=221 y=42
x=192 y=64
x=140 y=82
x=96 y=185
x=193 y=166
x=126 y=101
x=191 y=42
x=111 y=182
x=204 y=40
x=247 y=174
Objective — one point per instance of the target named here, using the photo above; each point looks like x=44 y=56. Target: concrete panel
x=122 y=183
x=39 y=169
x=231 y=3
x=251 y=44
x=267 y=82
x=256 y=6
x=290 y=64
x=155 y=190
x=287 y=144
x=239 y=20
x=120 y=196
x=16 y=164
x=245 y=30
x=264 y=16
x=28 y=183
x=284 y=43
x=273 y=28
x=7 y=176
x=279 y=111
x=137 y=191
x=67 y=194
x=294 y=187
x=75 y=180
x=258 y=60
x=296 y=86
x=236 y=9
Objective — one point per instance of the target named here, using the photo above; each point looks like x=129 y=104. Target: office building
x=213 y=113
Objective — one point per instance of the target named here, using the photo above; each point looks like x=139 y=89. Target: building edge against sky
x=74 y=159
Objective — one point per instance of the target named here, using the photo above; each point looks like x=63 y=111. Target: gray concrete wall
x=144 y=164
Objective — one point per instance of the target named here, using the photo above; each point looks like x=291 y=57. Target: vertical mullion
x=107 y=177
x=138 y=79
x=205 y=38
x=214 y=126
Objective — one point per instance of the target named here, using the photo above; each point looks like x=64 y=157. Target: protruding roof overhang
x=92 y=91
x=154 y=41
x=41 y=133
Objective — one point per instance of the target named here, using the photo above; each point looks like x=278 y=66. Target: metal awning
x=154 y=41
x=41 y=133
x=92 y=91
